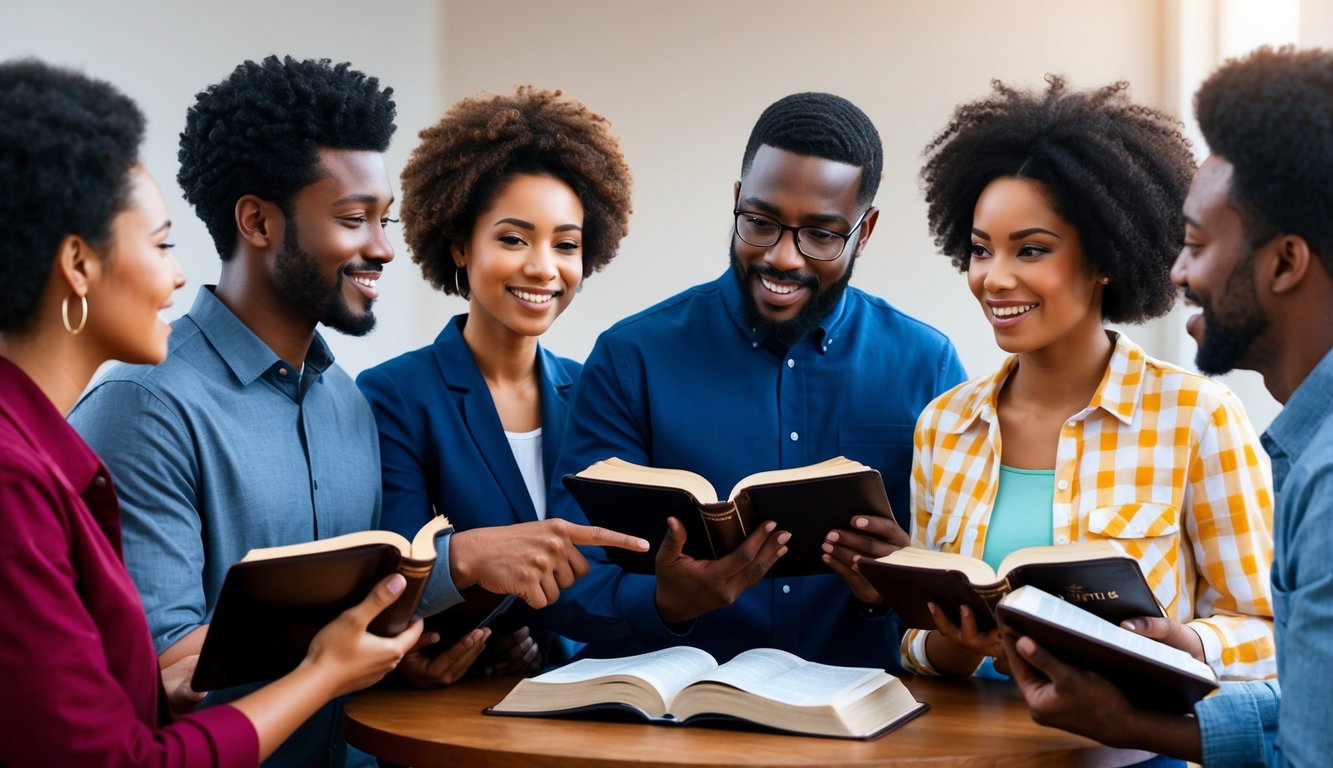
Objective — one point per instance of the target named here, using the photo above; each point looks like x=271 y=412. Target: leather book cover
x=269 y=610
x=640 y=510
x=1113 y=588
x=907 y=589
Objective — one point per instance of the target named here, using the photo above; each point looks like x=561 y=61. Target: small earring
x=457 y=287
x=64 y=315
x=1104 y=280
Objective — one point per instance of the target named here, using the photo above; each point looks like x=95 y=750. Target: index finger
x=605 y=537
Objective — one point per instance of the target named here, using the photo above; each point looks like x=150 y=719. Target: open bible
x=686 y=686
x=807 y=502
x=1094 y=575
x=1151 y=674
x=274 y=600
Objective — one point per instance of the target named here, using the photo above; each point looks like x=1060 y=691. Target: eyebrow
x=1022 y=233
x=367 y=199
x=529 y=226
x=1192 y=222
x=771 y=210
x=162 y=228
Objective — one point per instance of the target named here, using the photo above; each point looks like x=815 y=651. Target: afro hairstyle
x=1115 y=170
x=464 y=161
x=67 y=146
x=1270 y=114
x=258 y=131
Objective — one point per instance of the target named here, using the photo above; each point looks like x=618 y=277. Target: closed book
x=1094 y=575
x=274 y=600
x=807 y=502
x=1152 y=675
x=762 y=687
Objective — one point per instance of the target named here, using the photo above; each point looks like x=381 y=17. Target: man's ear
x=1291 y=261
x=736 y=195
x=867 y=226
x=259 y=222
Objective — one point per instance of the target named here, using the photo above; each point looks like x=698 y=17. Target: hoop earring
x=458 y=288
x=64 y=315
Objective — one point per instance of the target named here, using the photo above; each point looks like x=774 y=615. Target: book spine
x=725 y=526
x=397 y=616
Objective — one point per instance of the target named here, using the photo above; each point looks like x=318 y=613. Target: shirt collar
x=1305 y=411
x=823 y=335
x=32 y=413
x=1118 y=393
x=238 y=346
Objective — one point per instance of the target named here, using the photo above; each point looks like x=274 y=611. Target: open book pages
x=978 y=572
x=619 y=470
x=1034 y=602
x=422 y=546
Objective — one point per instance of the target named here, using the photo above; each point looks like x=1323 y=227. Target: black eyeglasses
x=813 y=242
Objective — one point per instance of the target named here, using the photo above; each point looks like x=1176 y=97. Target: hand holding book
x=688 y=587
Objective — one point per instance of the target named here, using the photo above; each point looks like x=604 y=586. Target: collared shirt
x=223 y=448
x=81 y=685
x=1162 y=462
x=1242 y=728
x=687 y=384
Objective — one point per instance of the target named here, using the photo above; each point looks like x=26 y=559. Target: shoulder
x=395 y=368
x=956 y=405
x=667 y=316
x=874 y=312
x=559 y=370
x=1179 y=387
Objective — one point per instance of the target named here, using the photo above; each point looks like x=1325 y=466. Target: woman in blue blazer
x=509 y=202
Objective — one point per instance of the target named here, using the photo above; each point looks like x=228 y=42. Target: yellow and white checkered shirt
x=1163 y=462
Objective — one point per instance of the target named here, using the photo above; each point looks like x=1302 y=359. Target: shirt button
x=786 y=589
x=754 y=345
x=1063 y=485
x=99 y=482
x=1062 y=539
x=282 y=371
x=795 y=437
x=1070 y=423
x=791 y=363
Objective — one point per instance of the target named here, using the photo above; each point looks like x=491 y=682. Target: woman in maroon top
x=86 y=268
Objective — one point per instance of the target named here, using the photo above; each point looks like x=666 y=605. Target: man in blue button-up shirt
x=1258 y=259
x=777 y=363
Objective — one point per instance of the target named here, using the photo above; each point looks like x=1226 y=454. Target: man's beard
x=786 y=333
x=1226 y=341
x=297 y=275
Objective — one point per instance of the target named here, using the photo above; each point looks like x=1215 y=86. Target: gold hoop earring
x=458 y=288
x=64 y=315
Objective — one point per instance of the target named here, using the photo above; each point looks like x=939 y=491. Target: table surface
x=971 y=722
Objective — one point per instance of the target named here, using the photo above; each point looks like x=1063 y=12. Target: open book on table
x=1094 y=575
x=685 y=686
x=807 y=502
x=1151 y=674
x=274 y=600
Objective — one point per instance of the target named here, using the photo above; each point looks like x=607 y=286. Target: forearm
x=279 y=708
x=189 y=645
x=950 y=658
x=1158 y=732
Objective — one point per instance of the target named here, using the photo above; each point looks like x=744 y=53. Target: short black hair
x=67 y=146
x=1116 y=171
x=258 y=131
x=821 y=125
x=1270 y=114
x=484 y=141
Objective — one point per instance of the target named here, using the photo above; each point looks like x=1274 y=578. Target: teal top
x=1022 y=513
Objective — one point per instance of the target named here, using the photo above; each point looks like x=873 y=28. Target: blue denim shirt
x=1240 y=724
x=686 y=384
x=223 y=448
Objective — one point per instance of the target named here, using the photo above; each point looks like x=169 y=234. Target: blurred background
x=682 y=83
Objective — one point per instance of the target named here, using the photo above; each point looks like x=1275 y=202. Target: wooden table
x=971 y=723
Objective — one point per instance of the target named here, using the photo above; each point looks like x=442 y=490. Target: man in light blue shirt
x=777 y=363
x=249 y=435
x=1258 y=260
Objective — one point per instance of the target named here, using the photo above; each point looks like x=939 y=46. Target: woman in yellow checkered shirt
x=1063 y=209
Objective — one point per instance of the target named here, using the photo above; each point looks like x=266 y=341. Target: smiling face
x=785 y=293
x=1028 y=271
x=138 y=275
x=1216 y=269
x=524 y=259
x=334 y=245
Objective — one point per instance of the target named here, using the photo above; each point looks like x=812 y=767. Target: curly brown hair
x=482 y=142
x=1115 y=170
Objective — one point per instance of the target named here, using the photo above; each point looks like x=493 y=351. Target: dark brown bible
x=807 y=502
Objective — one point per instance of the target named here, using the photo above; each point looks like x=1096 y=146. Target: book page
x=838 y=465
x=667 y=670
x=1060 y=553
x=621 y=471
x=1034 y=602
x=781 y=676
x=974 y=569
x=423 y=544
x=345 y=541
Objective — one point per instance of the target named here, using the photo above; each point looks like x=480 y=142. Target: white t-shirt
x=527 y=448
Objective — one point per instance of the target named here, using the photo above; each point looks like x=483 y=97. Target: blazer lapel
x=557 y=386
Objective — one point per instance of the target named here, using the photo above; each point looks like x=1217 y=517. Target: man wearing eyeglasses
x=778 y=363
